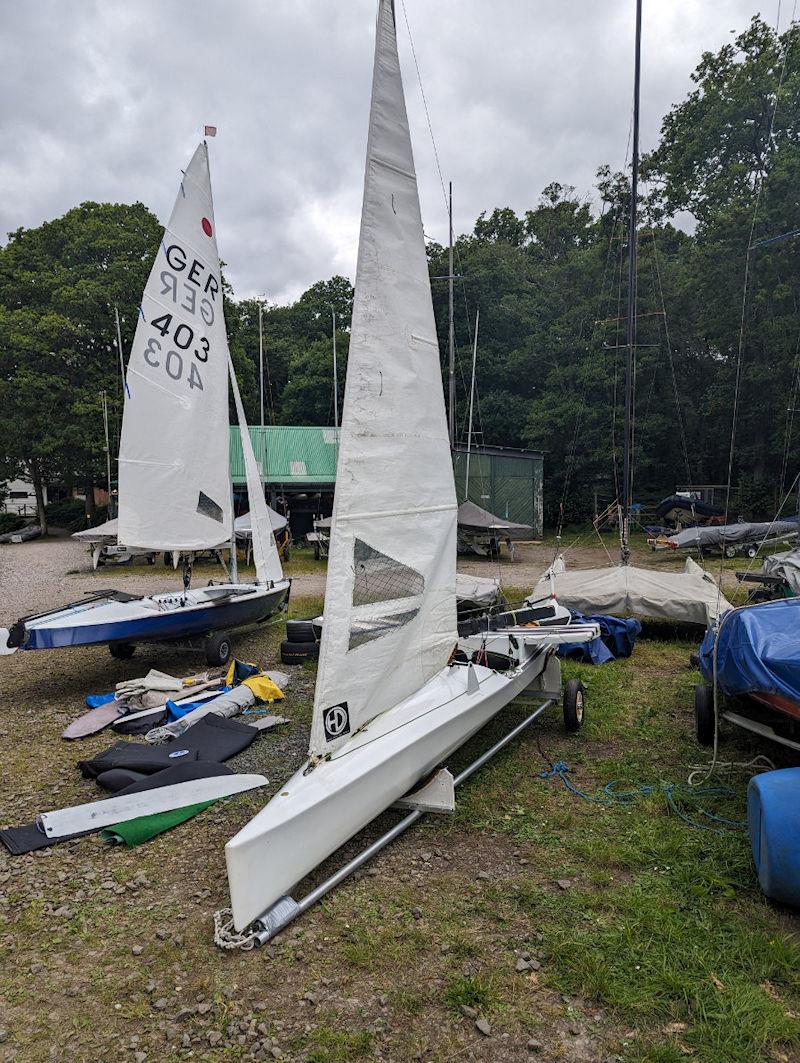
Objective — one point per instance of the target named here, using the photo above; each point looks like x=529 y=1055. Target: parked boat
x=175 y=492
x=397 y=690
x=729 y=539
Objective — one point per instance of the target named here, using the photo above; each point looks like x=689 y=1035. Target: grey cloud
x=105 y=100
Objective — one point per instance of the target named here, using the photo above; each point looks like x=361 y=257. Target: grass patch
x=474 y=991
x=338 y=1046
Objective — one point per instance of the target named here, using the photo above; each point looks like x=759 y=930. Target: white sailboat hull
x=315 y=813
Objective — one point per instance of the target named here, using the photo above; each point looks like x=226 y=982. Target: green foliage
x=11 y=522
x=69 y=514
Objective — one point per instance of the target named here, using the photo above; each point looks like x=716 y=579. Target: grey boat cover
x=733 y=534
x=472 y=518
x=244 y=530
x=103 y=533
x=688 y=597
x=786 y=565
x=24 y=535
x=477 y=590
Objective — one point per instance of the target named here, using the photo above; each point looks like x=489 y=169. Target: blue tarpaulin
x=617 y=639
x=758 y=652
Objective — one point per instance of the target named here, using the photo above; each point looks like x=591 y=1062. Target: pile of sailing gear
x=202 y=740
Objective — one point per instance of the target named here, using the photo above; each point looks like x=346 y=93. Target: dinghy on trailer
x=174 y=470
x=397 y=690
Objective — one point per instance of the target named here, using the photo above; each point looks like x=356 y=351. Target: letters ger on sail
x=174 y=487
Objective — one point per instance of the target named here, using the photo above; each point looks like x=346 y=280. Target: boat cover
x=786 y=565
x=616 y=639
x=688 y=597
x=477 y=591
x=103 y=533
x=687 y=505
x=474 y=519
x=24 y=535
x=244 y=530
x=733 y=534
x=758 y=651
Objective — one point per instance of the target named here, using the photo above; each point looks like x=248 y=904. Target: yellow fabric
x=263 y=687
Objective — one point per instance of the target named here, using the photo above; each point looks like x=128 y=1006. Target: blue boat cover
x=758 y=652
x=617 y=639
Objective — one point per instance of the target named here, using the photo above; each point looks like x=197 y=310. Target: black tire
x=218 y=648
x=704 y=723
x=299 y=652
x=730 y=551
x=574 y=702
x=121 y=651
x=151 y=559
x=300 y=631
x=752 y=551
x=694 y=659
x=317 y=552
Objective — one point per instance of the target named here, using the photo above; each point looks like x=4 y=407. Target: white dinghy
x=397 y=691
x=174 y=470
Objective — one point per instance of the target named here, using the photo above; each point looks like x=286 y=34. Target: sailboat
x=691 y=596
x=175 y=491
x=397 y=690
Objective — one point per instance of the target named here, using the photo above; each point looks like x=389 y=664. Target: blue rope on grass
x=610 y=796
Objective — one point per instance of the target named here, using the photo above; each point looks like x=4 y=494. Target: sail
x=390 y=608
x=265 y=553
x=174 y=481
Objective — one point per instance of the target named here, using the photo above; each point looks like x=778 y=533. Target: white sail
x=390 y=615
x=174 y=480
x=265 y=553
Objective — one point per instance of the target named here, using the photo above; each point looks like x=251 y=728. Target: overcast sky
x=106 y=99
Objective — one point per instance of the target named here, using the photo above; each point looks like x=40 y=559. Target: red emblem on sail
x=206 y=226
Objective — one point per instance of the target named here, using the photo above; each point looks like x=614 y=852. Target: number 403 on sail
x=177 y=364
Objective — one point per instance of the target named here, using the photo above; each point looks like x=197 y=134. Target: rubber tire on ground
x=151 y=559
x=752 y=551
x=299 y=652
x=704 y=714
x=730 y=551
x=121 y=651
x=300 y=631
x=218 y=648
x=574 y=705
x=694 y=659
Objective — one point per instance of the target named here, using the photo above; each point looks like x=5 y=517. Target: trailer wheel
x=730 y=551
x=752 y=551
x=151 y=559
x=317 y=552
x=218 y=648
x=121 y=651
x=573 y=704
x=704 y=723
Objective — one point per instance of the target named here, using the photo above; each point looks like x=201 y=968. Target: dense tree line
x=717 y=312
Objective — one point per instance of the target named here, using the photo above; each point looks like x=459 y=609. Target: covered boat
x=729 y=539
x=175 y=491
x=483 y=533
x=689 y=597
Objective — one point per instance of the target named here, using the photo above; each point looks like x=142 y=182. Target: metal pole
x=261 y=362
x=335 y=377
x=471 y=398
x=104 y=400
x=451 y=343
x=286 y=910
x=121 y=358
x=627 y=486
x=234 y=565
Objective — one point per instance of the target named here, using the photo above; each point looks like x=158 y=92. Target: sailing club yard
x=532 y=925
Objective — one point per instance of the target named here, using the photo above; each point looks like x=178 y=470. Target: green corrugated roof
x=288 y=455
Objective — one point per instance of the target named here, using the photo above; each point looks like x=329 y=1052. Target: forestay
x=174 y=486
x=265 y=553
x=390 y=616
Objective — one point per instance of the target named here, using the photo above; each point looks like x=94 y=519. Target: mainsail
x=390 y=617
x=174 y=480
x=265 y=553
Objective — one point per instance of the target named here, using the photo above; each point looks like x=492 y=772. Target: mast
x=627 y=486
x=104 y=403
x=121 y=357
x=451 y=346
x=335 y=377
x=471 y=400
x=261 y=361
